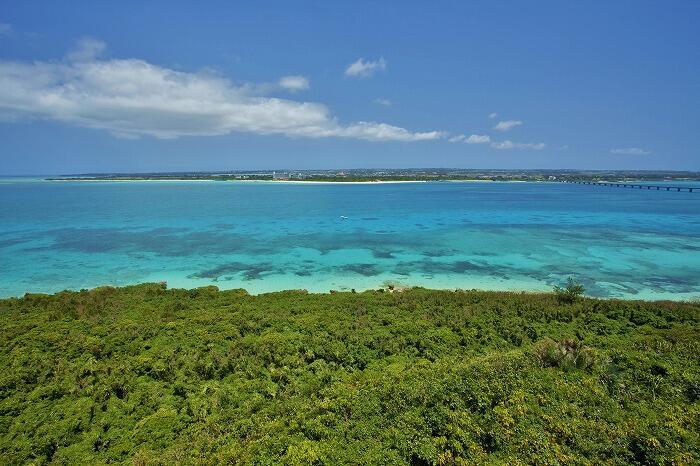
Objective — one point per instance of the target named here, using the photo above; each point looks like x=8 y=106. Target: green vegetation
x=145 y=375
x=570 y=292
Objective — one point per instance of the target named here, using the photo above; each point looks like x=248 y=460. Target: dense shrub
x=147 y=375
x=570 y=292
x=566 y=354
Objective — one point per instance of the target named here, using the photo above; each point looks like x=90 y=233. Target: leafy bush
x=570 y=292
x=566 y=354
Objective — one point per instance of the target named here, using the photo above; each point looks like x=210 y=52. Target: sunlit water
x=265 y=236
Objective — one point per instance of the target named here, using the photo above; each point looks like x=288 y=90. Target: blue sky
x=166 y=86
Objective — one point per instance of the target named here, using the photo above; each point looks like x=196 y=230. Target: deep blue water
x=270 y=236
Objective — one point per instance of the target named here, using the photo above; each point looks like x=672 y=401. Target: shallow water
x=271 y=236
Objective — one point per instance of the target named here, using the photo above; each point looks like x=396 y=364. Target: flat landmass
x=396 y=175
x=149 y=375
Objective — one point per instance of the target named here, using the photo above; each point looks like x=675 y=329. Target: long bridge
x=679 y=189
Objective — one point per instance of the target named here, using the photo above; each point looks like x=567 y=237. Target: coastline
x=296 y=182
x=389 y=286
x=331 y=182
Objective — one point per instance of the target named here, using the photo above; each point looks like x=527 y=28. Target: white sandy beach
x=186 y=180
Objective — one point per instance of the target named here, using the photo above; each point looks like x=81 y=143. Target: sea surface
x=266 y=236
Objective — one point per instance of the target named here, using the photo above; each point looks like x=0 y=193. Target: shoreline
x=296 y=182
x=317 y=182
x=387 y=287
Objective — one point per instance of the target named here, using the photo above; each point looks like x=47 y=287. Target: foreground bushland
x=147 y=375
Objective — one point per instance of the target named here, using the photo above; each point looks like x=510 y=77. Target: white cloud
x=384 y=102
x=294 y=83
x=504 y=145
x=507 y=125
x=382 y=132
x=630 y=151
x=6 y=30
x=133 y=98
x=472 y=139
x=365 y=69
x=87 y=49
x=493 y=115
x=478 y=139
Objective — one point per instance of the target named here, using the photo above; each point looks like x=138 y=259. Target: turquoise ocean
x=267 y=236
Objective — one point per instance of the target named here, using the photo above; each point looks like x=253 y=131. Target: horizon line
x=265 y=170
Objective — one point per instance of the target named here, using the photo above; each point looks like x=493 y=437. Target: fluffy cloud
x=294 y=83
x=493 y=115
x=477 y=139
x=507 y=125
x=365 y=69
x=518 y=145
x=384 y=102
x=472 y=139
x=131 y=98
x=383 y=132
x=630 y=151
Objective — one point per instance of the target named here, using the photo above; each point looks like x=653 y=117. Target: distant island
x=397 y=175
